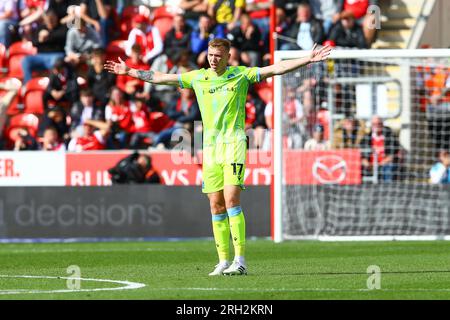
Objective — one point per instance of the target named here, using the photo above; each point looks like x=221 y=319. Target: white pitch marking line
x=306 y=290
x=127 y=285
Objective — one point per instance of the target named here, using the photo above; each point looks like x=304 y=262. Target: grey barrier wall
x=120 y=211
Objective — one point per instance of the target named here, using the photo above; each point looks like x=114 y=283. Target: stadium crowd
x=56 y=95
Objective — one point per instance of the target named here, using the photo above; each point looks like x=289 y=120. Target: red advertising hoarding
x=301 y=167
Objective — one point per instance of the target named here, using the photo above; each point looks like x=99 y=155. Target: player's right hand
x=117 y=68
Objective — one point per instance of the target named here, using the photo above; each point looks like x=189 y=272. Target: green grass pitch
x=179 y=270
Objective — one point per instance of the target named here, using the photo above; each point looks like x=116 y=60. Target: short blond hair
x=218 y=42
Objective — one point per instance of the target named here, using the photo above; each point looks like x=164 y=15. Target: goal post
x=359 y=193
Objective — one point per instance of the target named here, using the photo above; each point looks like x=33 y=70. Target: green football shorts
x=224 y=165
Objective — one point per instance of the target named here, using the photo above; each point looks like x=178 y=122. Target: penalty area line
x=127 y=285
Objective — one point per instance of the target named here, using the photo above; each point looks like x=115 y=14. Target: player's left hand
x=321 y=54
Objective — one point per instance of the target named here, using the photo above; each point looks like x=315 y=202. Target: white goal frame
x=277 y=227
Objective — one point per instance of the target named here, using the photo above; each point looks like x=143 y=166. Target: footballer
x=221 y=92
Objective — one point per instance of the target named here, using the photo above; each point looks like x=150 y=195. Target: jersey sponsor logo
x=220 y=89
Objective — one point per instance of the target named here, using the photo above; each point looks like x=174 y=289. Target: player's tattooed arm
x=151 y=76
x=145 y=75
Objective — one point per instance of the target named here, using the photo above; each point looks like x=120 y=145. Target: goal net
x=361 y=138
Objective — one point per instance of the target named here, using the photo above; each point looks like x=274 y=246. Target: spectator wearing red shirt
x=118 y=117
x=91 y=139
x=380 y=147
x=148 y=37
x=141 y=128
x=163 y=127
x=128 y=84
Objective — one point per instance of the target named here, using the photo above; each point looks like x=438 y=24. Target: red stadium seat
x=18 y=51
x=162 y=12
x=163 y=24
x=21 y=121
x=264 y=91
x=34 y=91
x=115 y=49
x=163 y=20
x=126 y=22
x=13 y=108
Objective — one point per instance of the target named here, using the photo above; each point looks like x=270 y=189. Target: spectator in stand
x=49 y=39
x=380 y=147
x=83 y=110
x=305 y=31
x=55 y=117
x=32 y=10
x=348 y=134
x=193 y=9
x=102 y=15
x=8 y=20
x=128 y=84
x=365 y=19
x=185 y=111
x=184 y=63
x=98 y=79
x=438 y=107
x=51 y=141
x=247 y=40
x=259 y=11
x=317 y=142
x=178 y=38
x=118 y=117
x=440 y=171
x=12 y=87
x=62 y=89
x=163 y=127
x=255 y=119
x=80 y=42
x=281 y=27
x=61 y=7
x=141 y=124
x=327 y=11
x=293 y=118
x=31 y=14
x=147 y=36
x=347 y=33
x=205 y=32
x=94 y=137
x=226 y=13
x=25 y=141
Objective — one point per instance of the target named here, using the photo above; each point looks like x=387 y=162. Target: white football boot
x=236 y=269
x=219 y=268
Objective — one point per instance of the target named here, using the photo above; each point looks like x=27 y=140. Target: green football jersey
x=221 y=100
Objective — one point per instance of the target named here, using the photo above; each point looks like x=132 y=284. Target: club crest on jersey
x=230 y=76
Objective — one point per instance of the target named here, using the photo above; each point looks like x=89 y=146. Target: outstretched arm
x=151 y=76
x=286 y=66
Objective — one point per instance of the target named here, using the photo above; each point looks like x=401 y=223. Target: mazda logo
x=330 y=169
